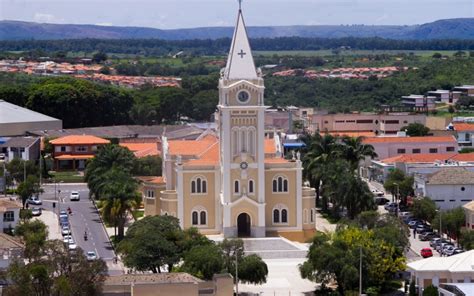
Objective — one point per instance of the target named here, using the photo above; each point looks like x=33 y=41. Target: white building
x=26 y=148
x=437 y=270
x=449 y=187
x=10 y=248
x=464 y=133
x=10 y=211
x=419 y=102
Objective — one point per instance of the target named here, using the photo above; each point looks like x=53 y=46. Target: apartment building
x=445 y=96
x=380 y=124
x=466 y=90
x=464 y=133
x=419 y=102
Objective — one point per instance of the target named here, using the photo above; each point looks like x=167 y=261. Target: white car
x=66 y=230
x=75 y=196
x=36 y=212
x=72 y=247
x=68 y=239
x=91 y=255
x=377 y=192
x=35 y=200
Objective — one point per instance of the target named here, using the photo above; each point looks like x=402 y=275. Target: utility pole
x=24 y=170
x=360 y=270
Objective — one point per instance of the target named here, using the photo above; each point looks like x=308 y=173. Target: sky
x=169 y=14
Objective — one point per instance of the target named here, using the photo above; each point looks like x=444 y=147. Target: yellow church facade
x=233 y=182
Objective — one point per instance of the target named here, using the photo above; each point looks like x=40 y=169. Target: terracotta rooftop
x=270 y=146
x=152 y=179
x=142 y=149
x=352 y=134
x=79 y=140
x=160 y=278
x=196 y=147
x=410 y=139
x=463 y=127
x=430 y=157
x=6 y=204
x=451 y=176
x=9 y=242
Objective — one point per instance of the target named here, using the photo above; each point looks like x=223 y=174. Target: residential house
x=142 y=147
x=10 y=211
x=469 y=213
x=167 y=284
x=464 y=133
x=466 y=90
x=442 y=270
x=450 y=187
x=10 y=248
x=386 y=147
x=72 y=152
x=445 y=96
x=419 y=102
x=26 y=148
x=456 y=289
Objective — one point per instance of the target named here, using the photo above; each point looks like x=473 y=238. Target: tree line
x=157 y=47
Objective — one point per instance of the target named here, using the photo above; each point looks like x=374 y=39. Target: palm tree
x=321 y=152
x=118 y=196
x=108 y=157
x=354 y=150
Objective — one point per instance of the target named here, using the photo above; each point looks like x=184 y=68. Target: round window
x=243 y=96
x=462 y=188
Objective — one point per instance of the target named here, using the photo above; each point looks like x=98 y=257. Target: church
x=235 y=181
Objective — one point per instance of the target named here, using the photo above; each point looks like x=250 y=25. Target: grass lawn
x=328 y=52
x=67 y=177
x=137 y=214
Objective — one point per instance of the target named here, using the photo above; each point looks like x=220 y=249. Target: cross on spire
x=241 y=53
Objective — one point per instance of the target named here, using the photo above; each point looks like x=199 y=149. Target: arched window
x=195 y=218
x=243 y=140
x=235 y=140
x=280 y=184
x=284 y=216
x=276 y=216
x=251 y=141
x=311 y=218
x=199 y=216
x=236 y=186
x=251 y=186
x=280 y=214
x=198 y=185
x=305 y=216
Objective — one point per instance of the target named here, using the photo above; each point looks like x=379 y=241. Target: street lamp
x=440 y=225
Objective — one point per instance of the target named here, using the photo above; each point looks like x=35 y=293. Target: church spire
x=240 y=63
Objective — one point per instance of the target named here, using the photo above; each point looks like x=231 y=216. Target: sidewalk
x=51 y=220
x=322 y=224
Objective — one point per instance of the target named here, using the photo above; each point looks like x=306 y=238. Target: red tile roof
x=430 y=157
x=432 y=139
x=79 y=140
x=463 y=127
x=75 y=156
x=142 y=149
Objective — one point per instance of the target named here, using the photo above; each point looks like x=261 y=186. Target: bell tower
x=241 y=117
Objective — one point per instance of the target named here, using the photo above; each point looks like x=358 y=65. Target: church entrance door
x=243 y=225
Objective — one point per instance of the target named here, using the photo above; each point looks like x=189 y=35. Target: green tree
x=203 y=105
x=203 y=261
x=424 y=209
x=34 y=235
x=147 y=166
x=99 y=57
x=152 y=243
x=451 y=221
x=253 y=270
x=466 y=150
x=398 y=183
x=437 y=55
x=466 y=239
x=412 y=289
x=28 y=188
x=430 y=291
x=354 y=150
x=19 y=168
x=416 y=130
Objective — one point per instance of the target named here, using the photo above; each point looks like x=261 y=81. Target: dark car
x=425 y=236
x=381 y=201
x=423 y=228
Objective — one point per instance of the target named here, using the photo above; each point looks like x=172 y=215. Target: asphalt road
x=84 y=218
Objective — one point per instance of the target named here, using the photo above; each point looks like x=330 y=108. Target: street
x=84 y=218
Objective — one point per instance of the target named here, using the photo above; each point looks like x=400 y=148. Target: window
x=81 y=149
x=364 y=121
x=449 y=149
x=251 y=189
x=63 y=148
x=276 y=216
x=462 y=188
x=150 y=194
x=305 y=216
x=236 y=187
x=467 y=137
x=311 y=218
x=414 y=151
x=9 y=216
x=392 y=122
x=433 y=150
x=400 y=151
x=198 y=185
x=280 y=214
x=280 y=184
x=199 y=216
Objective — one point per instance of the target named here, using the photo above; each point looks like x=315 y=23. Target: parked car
x=449 y=250
x=67 y=239
x=405 y=214
x=63 y=214
x=425 y=236
x=426 y=252
x=72 y=247
x=434 y=241
x=421 y=228
x=380 y=201
x=377 y=192
x=458 y=251
x=414 y=223
x=389 y=206
x=75 y=196
x=91 y=256
x=65 y=230
x=34 y=200
x=36 y=211
x=440 y=247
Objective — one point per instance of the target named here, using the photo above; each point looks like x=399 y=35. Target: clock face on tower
x=243 y=96
x=244 y=165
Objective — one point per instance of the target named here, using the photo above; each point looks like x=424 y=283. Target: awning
x=293 y=145
x=74 y=157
